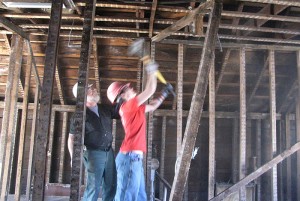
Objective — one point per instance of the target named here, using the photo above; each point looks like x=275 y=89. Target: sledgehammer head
x=136 y=47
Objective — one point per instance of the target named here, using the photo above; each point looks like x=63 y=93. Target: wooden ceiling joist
x=186 y=20
x=277 y=2
x=184 y=160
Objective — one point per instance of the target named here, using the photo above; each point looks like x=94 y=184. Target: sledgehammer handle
x=146 y=60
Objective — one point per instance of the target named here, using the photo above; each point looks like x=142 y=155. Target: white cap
x=74 y=90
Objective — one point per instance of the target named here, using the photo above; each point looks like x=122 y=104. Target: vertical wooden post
x=288 y=160
x=46 y=102
x=63 y=146
x=162 y=155
x=235 y=154
x=298 y=125
x=273 y=119
x=243 y=168
x=79 y=116
x=10 y=114
x=32 y=142
x=150 y=135
x=212 y=132
x=50 y=147
x=23 y=128
x=179 y=98
x=258 y=155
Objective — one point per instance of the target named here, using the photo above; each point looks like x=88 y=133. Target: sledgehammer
x=136 y=49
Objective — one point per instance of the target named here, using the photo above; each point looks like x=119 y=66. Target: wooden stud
x=23 y=129
x=50 y=147
x=179 y=98
x=212 y=131
x=79 y=116
x=32 y=142
x=235 y=154
x=288 y=160
x=258 y=156
x=243 y=126
x=46 y=102
x=273 y=119
x=162 y=155
x=298 y=125
x=8 y=131
x=63 y=146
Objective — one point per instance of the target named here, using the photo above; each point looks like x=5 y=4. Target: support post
x=243 y=126
x=79 y=116
x=40 y=154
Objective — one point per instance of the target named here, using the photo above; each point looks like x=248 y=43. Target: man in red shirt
x=130 y=172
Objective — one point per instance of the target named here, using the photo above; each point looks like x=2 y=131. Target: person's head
x=118 y=90
x=92 y=95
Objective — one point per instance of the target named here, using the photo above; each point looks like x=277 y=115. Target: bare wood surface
x=243 y=125
x=12 y=27
x=212 y=131
x=182 y=22
x=79 y=118
x=8 y=131
x=46 y=103
x=298 y=123
x=269 y=165
x=191 y=131
x=272 y=84
x=23 y=130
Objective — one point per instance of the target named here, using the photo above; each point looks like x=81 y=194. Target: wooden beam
x=212 y=131
x=195 y=112
x=162 y=155
x=59 y=85
x=63 y=145
x=186 y=20
x=288 y=137
x=298 y=123
x=35 y=107
x=79 y=116
x=96 y=66
x=269 y=165
x=23 y=130
x=258 y=155
x=179 y=98
x=277 y=2
x=40 y=154
x=9 y=121
x=152 y=17
x=14 y=28
x=273 y=120
x=243 y=125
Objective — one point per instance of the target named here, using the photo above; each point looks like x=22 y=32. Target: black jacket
x=98 y=130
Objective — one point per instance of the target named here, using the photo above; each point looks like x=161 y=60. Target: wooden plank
x=162 y=155
x=179 y=98
x=235 y=154
x=46 y=102
x=212 y=131
x=50 y=148
x=298 y=124
x=273 y=119
x=79 y=118
x=12 y=27
x=32 y=142
x=96 y=65
x=288 y=160
x=258 y=155
x=59 y=85
x=243 y=125
x=195 y=112
x=63 y=146
x=277 y=2
x=269 y=165
x=11 y=100
x=152 y=17
x=186 y=20
x=23 y=129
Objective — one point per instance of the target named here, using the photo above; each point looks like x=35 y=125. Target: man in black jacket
x=98 y=155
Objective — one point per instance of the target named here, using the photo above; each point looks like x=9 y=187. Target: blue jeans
x=101 y=170
x=130 y=178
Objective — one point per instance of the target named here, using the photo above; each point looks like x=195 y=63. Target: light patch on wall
x=3 y=70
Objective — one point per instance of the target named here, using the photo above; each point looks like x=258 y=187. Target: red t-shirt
x=134 y=123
